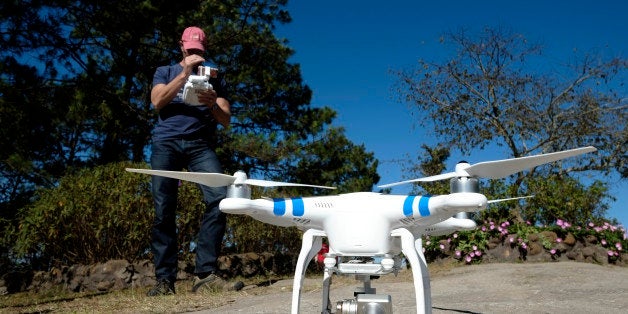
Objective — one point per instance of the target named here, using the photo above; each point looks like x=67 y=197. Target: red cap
x=193 y=38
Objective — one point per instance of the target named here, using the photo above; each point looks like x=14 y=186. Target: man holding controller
x=183 y=139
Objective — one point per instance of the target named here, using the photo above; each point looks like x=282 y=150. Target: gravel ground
x=563 y=287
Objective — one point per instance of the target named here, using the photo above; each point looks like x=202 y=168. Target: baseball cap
x=193 y=38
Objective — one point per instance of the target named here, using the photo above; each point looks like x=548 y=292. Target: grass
x=134 y=300
x=122 y=301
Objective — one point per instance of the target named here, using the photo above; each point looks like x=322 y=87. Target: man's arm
x=222 y=113
x=162 y=94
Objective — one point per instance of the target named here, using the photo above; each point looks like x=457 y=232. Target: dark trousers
x=197 y=156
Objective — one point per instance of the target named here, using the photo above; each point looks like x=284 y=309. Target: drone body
x=366 y=224
x=357 y=224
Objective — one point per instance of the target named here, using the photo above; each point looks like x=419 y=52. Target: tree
x=431 y=162
x=74 y=90
x=489 y=94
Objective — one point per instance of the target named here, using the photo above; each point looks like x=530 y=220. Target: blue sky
x=347 y=49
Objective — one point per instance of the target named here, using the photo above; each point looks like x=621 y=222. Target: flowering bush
x=470 y=246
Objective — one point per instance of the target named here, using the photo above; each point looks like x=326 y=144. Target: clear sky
x=346 y=49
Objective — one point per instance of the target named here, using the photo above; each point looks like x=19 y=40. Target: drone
x=367 y=232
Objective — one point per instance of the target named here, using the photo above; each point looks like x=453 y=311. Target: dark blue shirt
x=178 y=120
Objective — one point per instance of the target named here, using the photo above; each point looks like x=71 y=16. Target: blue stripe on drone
x=279 y=206
x=424 y=209
x=297 y=207
x=407 y=205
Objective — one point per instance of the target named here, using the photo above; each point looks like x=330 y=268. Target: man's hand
x=190 y=63
x=207 y=97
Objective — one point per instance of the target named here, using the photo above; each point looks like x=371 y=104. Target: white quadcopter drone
x=367 y=231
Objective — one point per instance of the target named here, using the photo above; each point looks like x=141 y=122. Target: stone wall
x=121 y=274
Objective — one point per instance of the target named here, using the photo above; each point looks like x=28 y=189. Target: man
x=182 y=139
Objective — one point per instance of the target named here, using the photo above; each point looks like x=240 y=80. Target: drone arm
x=432 y=209
x=264 y=210
x=447 y=226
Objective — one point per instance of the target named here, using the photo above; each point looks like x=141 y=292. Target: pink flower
x=559 y=222
x=458 y=253
x=442 y=246
x=455 y=235
x=558 y=240
x=591 y=224
x=611 y=253
x=483 y=228
x=472 y=255
x=475 y=247
x=511 y=240
x=468 y=259
x=603 y=242
x=553 y=251
x=618 y=246
x=478 y=253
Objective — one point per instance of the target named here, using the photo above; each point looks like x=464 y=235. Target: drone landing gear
x=366 y=300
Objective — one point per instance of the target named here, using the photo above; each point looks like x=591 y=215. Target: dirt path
x=564 y=287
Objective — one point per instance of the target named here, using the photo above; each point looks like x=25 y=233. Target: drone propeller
x=219 y=179
x=508 y=199
x=499 y=168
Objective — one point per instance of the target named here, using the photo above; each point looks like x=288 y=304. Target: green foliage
x=565 y=197
x=91 y=216
x=431 y=162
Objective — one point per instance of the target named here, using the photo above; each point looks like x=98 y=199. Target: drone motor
x=464 y=184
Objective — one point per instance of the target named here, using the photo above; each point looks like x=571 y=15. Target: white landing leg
x=427 y=290
x=311 y=244
x=422 y=292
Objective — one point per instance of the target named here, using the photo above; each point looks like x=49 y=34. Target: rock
x=533 y=237
x=590 y=239
x=588 y=253
x=534 y=248
x=569 y=239
x=575 y=256
x=551 y=236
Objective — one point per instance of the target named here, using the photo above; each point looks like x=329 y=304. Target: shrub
x=91 y=216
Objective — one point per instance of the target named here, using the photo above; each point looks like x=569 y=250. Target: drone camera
x=364 y=304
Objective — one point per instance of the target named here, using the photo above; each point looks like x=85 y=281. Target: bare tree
x=498 y=90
